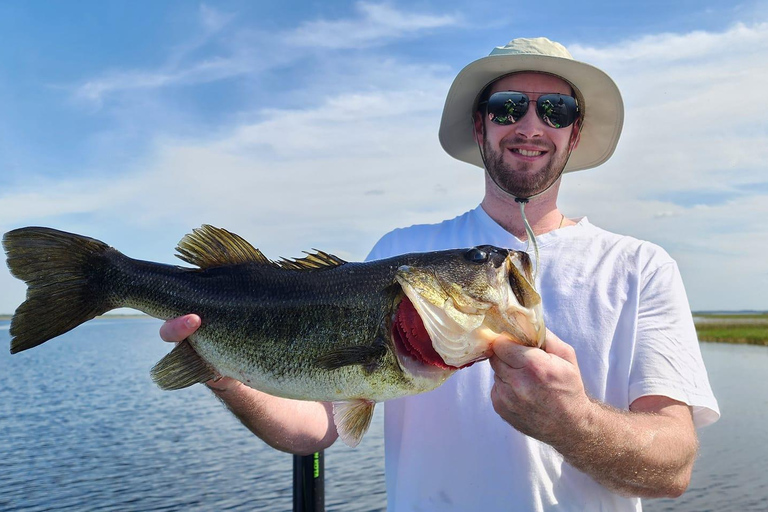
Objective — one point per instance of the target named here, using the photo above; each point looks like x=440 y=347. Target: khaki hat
x=599 y=100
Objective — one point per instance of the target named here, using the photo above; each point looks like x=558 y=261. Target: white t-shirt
x=618 y=301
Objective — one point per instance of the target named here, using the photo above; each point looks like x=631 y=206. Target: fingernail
x=191 y=322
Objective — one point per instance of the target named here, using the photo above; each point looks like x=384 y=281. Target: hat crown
x=535 y=46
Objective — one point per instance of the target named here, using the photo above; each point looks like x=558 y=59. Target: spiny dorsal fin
x=208 y=246
x=352 y=419
x=317 y=260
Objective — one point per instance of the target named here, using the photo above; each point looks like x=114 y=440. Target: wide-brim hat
x=599 y=99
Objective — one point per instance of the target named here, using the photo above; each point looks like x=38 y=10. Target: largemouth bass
x=314 y=328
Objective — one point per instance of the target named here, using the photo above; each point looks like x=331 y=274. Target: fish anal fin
x=209 y=246
x=181 y=368
x=352 y=419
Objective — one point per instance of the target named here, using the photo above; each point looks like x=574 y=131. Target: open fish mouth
x=525 y=312
x=462 y=325
x=413 y=346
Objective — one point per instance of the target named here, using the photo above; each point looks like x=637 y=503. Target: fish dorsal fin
x=209 y=246
x=317 y=260
x=352 y=419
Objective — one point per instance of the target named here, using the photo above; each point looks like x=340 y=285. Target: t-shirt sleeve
x=383 y=248
x=667 y=359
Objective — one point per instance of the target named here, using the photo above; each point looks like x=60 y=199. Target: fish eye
x=476 y=255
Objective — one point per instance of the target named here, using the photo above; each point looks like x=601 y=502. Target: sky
x=313 y=124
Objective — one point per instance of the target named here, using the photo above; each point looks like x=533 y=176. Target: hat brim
x=602 y=121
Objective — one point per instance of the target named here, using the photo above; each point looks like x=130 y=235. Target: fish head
x=467 y=298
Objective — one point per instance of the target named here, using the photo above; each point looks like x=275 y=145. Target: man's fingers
x=511 y=353
x=556 y=346
x=176 y=329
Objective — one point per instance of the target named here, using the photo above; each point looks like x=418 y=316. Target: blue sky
x=314 y=124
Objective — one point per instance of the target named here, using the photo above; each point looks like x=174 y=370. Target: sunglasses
x=508 y=107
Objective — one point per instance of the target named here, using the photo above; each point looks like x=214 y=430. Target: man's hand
x=179 y=328
x=539 y=392
x=293 y=426
x=647 y=451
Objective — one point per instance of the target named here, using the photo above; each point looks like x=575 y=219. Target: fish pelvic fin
x=181 y=368
x=66 y=282
x=352 y=419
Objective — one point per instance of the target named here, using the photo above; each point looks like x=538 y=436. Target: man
x=590 y=423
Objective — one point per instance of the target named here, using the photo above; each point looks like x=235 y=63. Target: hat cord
x=522 y=201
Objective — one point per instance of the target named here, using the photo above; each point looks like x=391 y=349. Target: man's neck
x=542 y=212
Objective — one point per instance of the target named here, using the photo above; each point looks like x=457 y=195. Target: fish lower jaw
x=467 y=349
x=419 y=370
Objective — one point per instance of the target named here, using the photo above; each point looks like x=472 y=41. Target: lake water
x=82 y=427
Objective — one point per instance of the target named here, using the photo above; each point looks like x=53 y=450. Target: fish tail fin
x=65 y=275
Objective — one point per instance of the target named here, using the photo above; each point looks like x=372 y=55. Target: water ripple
x=83 y=427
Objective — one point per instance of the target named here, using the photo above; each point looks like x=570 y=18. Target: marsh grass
x=751 y=329
x=724 y=328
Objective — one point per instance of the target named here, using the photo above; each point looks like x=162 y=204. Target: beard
x=522 y=182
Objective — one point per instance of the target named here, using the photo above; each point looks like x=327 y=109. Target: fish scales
x=267 y=326
x=315 y=328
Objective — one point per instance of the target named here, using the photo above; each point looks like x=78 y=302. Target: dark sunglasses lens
x=507 y=107
x=557 y=110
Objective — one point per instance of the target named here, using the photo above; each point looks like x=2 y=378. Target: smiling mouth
x=525 y=152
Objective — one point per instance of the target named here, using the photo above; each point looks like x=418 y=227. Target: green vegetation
x=751 y=329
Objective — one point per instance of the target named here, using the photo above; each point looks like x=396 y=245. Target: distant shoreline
x=135 y=315
x=735 y=328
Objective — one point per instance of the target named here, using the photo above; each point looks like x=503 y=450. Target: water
x=730 y=473
x=82 y=427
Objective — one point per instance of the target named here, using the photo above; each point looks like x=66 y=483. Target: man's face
x=526 y=157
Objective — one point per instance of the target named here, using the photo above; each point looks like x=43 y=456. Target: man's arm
x=648 y=451
x=293 y=426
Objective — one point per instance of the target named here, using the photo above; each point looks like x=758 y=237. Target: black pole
x=308 y=483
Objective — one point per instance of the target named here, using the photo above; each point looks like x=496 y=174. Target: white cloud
x=341 y=169
x=667 y=48
x=175 y=71
x=375 y=24
x=693 y=121
x=213 y=20
x=694 y=142
x=250 y=52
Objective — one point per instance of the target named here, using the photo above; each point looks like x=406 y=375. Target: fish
x=311 y=328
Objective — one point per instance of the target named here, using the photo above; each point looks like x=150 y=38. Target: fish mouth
x=458 y=331
x=525 y=310
x=417 y=368
x=457 y=339
x=413 y=345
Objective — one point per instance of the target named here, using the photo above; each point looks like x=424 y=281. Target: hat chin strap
x=522 y=201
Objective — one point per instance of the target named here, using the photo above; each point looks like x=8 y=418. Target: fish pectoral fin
x=181 y=368
x=368 y=356
x=352 y=419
